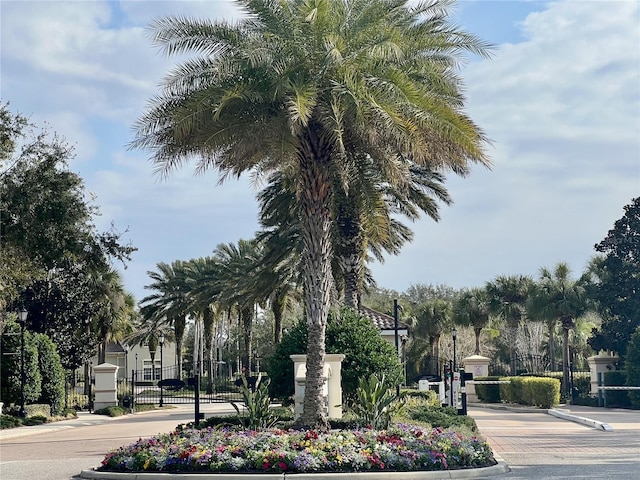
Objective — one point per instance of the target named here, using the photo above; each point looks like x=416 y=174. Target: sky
x=559 y=100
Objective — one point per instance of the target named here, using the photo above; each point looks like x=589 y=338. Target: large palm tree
x=508 y=296
x=559 y=297
x=289 y=85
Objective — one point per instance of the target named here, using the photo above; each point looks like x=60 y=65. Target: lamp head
x=22 y=315
x=454 y=333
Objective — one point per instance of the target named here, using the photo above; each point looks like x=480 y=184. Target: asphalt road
x=64 y=449
x=534 y=444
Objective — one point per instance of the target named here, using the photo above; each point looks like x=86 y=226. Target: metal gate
x=165 y=386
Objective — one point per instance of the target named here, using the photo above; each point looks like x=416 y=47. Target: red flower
x=282 y=465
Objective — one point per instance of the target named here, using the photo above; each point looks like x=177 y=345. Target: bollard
x=600 y=399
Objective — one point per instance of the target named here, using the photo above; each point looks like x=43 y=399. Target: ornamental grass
x=402 y=447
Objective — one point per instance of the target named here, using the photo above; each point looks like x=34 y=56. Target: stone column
x=332 y=388
x=599 y=364
x=479 y=367
x=106 y=394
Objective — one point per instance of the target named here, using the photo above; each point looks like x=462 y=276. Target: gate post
x=196 y=384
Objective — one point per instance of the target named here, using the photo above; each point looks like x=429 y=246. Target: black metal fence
x=166 y=386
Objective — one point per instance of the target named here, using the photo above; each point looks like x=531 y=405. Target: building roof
x=382 y=320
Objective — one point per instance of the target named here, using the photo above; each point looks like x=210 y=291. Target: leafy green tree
x=51 y=247
x=348 y=332
x=52 y=374
x=632 y=366
x=291 y=86
x=616 y=282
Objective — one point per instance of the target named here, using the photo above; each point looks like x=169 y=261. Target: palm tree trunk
x=477 y=331
x=513 y=351
x=208 y=321
x=247 y=323
x=567 y=324
x=314 y=193
x=277 y=308
x=552 y=344
x=179 y=325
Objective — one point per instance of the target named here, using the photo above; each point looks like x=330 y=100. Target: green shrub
x=541 y=392
x=113 y=411
x=348 y=332
x=488 y=393
x=632 y=366
x=77 y=401
x=524 y=390
x=38 y=409
x=420 y=397
x=256 y=414
x=616 y=398
x=9 y=421
x=582 y=384
x=443 y=417
x=35 y=420
x=52 y=374
x=10 y=349
x=375 y=403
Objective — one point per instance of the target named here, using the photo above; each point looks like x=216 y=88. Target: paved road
x=59 y=451
x=541 y=446
x=534 y=444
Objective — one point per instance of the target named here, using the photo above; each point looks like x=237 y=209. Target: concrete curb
x=582 y=420
x=498 y=469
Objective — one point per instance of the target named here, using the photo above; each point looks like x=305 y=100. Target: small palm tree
x=557 y=296
x=508 y=296
x=472 y=308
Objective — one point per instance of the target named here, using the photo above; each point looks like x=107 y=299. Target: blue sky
x=560 y=100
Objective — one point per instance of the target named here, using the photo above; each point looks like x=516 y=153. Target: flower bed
x=401 y=448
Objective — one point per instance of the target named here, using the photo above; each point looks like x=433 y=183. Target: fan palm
x=291 y=84
x=472 y=308
x=557 y=296
x=169 y=304
x=429 y=320
x=508 y=296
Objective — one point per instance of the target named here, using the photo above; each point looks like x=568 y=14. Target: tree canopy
x=53 y=257
x=616 y=282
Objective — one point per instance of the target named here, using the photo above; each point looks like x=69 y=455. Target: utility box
x=332 y=386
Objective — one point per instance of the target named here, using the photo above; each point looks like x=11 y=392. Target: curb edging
x=498 y=469
x=582 y=420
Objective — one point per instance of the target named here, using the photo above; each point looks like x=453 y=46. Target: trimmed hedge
x=488 y=393
x=616 y=398
x=541 y=392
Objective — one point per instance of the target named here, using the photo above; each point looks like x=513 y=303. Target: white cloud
x=562 y=109
x=560 y=102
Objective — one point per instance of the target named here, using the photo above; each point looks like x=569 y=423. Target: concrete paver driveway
x=541 y=446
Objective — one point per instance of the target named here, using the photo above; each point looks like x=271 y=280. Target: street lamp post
x=454 y=334
x=22 y=317
x=161 y=343
x=126 y=364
